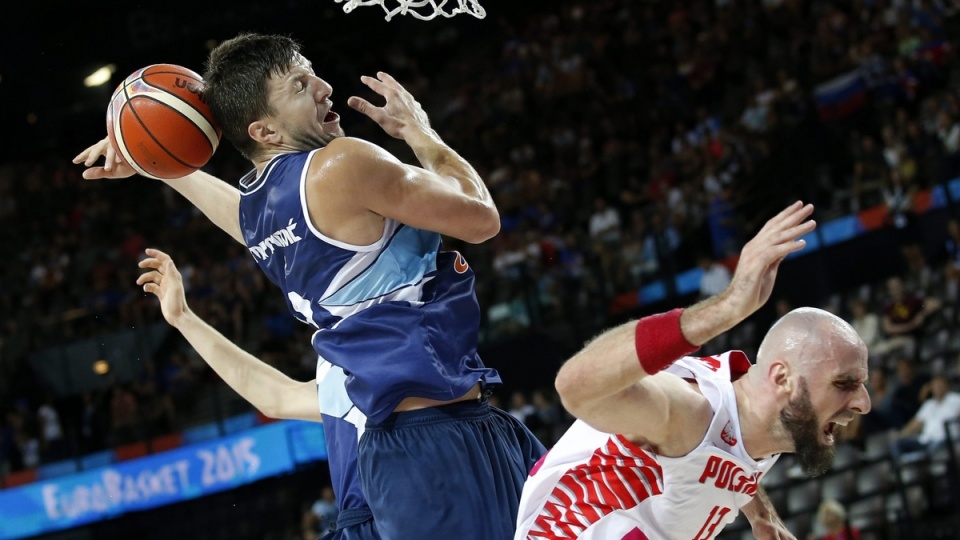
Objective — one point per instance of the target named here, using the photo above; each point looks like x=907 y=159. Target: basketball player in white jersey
x=670 y=446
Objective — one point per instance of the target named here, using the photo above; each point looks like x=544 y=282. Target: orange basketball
x=160 y=123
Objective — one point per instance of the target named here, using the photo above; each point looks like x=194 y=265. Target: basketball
x=160 y=124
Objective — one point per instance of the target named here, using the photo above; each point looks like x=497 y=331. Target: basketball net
x=420 y=8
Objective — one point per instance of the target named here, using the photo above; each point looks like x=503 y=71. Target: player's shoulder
x=348 y=158
x=350 y=147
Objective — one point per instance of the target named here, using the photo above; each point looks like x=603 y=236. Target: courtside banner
x=166 y=478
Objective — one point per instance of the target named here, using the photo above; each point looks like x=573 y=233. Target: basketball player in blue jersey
x=352 y=237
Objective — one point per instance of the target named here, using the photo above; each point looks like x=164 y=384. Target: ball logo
x=191 y=87
x=460 y=264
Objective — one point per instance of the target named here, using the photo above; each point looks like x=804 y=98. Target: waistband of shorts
x=462 y=410
x=353 y=516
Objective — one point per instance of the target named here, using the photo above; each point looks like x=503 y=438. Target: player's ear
x=262 y=132
x=779 y=375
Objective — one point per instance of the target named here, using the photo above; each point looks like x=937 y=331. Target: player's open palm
x=760 y=258
x=400 y=115
x=113 y=165
x=164 y=281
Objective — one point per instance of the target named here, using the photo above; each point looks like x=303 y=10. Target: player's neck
x=758 y=428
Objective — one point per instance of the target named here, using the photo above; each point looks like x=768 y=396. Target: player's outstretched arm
x=219 y=201
x=764 y=520
x=447 y=194
x=614 y=382
x=270 y=391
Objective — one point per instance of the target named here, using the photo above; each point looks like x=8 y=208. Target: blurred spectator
x=546 y=421
x=952 y=268
x=53 y=446
x=94 y=422
x=867 y=325
x=125 y=426
x=715 y=278
x=11 y=455
x=870 y=175
x=604 y=222
x=904 y=315
x=832 y=523
x=520 y=408
x=926 y=431
x=157 y=410
x=321 y=517
x=907 y=394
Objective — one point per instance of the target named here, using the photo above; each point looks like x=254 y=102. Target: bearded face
x=800 y=421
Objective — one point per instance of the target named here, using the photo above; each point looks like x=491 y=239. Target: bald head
x=805 y=337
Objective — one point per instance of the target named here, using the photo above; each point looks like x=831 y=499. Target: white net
x=421 y=9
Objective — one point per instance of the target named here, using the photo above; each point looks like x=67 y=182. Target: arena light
x=101 y=367
x=100 y=76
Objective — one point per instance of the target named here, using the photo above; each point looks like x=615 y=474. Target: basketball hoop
x=420 y=8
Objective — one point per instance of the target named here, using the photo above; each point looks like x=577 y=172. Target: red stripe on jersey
x=618 y=476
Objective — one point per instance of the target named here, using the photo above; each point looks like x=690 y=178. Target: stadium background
x=693 y=121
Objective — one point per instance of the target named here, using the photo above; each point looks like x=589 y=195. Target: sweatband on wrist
x=659 y=341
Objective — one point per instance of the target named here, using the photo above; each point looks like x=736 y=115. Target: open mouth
x=331 y=117
x=829 y=431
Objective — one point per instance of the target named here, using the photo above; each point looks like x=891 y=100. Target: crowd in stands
x=624 y=142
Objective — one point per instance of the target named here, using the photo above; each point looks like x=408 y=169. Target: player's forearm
x=219 y=201
x=257 y=382
x=708 y=319
x=435 y=156
x=763 y=517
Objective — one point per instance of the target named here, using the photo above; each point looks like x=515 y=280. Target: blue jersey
x=394 y=319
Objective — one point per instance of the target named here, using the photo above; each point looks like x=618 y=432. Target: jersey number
x=713 y=521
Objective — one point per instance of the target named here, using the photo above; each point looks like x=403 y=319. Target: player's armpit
x=369 y=178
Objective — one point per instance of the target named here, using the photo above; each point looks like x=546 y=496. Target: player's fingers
x=151 y=288
x=365 y=107
x=94 y=173
x=796 y=231
x=157 y=254
x=149 y=263
x=792 y=215
x=387 y=78
x=376 y=85
x=782 y=215
x=110 y=157
x=149 y=277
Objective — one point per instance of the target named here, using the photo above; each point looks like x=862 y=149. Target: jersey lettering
x=729 y=476
x=282 y=238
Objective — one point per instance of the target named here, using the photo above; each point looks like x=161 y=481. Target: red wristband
x=660 y=342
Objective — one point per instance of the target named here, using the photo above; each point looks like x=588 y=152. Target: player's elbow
x=484 y=226
x=569 y=389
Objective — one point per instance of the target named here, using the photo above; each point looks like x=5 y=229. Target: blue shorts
x=353 y=524
x=451 y=472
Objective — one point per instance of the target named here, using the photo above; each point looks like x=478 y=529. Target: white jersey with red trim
x=594 y=485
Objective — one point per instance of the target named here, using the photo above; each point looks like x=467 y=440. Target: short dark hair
x=236 y=82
